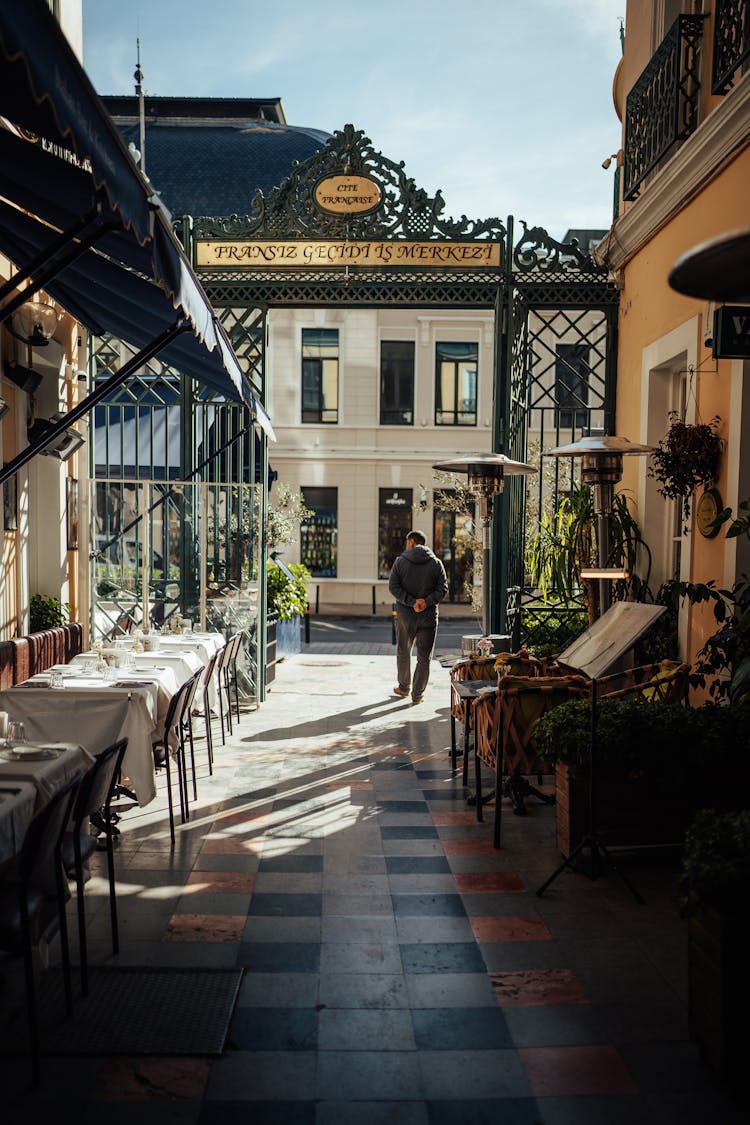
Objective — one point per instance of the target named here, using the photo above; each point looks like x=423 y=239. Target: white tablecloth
x=95 y=713
x=17 y=804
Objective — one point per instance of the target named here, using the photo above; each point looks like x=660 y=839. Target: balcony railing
x=662 y=107
x=731 y=42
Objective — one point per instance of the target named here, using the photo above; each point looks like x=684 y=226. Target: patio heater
x=486 y=473
x=602 y=468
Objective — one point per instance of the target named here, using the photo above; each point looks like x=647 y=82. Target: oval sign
x=347 y=195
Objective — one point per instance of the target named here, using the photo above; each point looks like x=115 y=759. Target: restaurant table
x=29 y=776
x=17 y=801
x=95 y=713
x=469 y=691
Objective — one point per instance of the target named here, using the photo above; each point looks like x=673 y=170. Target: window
x=320 y=375
x=394 y=523
x=319 y=533
x=397 y=383
x=571 y=385
x=455 y=384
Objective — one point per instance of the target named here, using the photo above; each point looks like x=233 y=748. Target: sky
x=504 y=105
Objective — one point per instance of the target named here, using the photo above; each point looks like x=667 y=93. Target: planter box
x=288 y=637
x=629 y=812
x=719 y=992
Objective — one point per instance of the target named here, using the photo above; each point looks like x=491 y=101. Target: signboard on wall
x=731 y=339
x=272 y=254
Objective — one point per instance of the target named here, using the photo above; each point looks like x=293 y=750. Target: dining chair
x=33 y=894
x=228 y=675
x=172 y=744
x=209 y=677
x=92 y=808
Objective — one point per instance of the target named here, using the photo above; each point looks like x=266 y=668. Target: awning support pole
x=96 y=396
x=53 y=259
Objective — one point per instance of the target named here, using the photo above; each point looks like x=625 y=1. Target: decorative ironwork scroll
x=404 y=211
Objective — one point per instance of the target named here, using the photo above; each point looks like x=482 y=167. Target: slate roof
x=203 y=166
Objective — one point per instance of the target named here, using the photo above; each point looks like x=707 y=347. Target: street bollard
x=307 y=623
x=393 y=624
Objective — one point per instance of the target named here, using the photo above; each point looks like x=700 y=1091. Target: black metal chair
x=33 y=893
x=175 y=725
x=210 y=676
x=93 y=803
x=228 y=675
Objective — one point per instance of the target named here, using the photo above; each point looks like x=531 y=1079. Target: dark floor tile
x=417 y=865
x=267 y=1029
x=286 y=905
x=293 y=862
x=442 y=957
x=398 y=765
x=282 y=957
x=425 y=904
x=409 y=832
x=386 y=806
x=259 y=1113
x=445 y=794
x=460 y=1029
x=485 y=1111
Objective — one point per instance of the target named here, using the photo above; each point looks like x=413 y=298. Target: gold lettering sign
x=347 y=195
x=296 y=255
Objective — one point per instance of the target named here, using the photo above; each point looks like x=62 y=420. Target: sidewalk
x=396 y=968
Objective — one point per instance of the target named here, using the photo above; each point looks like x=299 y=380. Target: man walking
x=418 y=583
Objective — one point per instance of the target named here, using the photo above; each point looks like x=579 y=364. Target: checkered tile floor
x=397 y=968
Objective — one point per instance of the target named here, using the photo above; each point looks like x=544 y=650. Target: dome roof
x=209 y=168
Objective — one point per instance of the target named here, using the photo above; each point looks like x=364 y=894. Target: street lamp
x=486 y=473
x=602 y=468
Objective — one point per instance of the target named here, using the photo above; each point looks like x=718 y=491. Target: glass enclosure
x=164 y=550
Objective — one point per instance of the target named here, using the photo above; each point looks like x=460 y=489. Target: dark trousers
x=414 y=627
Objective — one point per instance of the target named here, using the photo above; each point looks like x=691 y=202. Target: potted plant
x=656 y=764
x=687 y=456
x=47 y=613
x=287 y=603
x=714 y=894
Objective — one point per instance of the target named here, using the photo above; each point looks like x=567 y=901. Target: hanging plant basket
x=686 y=457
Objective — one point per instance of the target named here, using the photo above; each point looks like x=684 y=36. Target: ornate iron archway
x=350 y=228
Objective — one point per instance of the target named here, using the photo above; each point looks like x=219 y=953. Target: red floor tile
x=238 y=817
x=454 y=818
x=513 y=927
x=205 y=927
x=488 y=882
x=469 y=847
x=558 y=1072
x=537 y=986
x=149 y=1079
x=224 y=882
x=233 y=845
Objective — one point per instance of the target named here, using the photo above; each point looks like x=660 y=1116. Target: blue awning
x=134 y=280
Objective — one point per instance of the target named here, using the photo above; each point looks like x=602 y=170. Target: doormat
x=132 y=1011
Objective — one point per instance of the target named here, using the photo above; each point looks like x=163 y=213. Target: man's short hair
x=417 y=536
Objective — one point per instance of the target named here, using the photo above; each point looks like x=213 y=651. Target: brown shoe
x=400 y=691
x=417 y=699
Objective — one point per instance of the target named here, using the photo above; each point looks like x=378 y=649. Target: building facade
x=682 y=93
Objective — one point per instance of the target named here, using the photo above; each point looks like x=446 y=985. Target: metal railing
x=731 y=45
x=662 y=107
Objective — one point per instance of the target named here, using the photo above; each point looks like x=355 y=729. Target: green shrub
x=692 y=745
x=716 y=862
x=287 y=598
x=47 y=613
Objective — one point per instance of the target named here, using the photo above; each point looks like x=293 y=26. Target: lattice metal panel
x=386 y=291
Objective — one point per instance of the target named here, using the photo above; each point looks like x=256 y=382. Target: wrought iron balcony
x=662 y=107
x=731 y=42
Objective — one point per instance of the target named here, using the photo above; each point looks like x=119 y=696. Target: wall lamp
x=34 y=323
x=615 y=156
x=64 y=445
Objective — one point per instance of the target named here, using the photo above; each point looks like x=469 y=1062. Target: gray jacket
x=418 y=573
